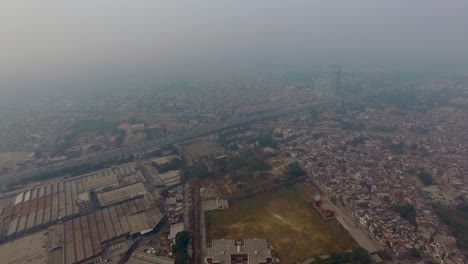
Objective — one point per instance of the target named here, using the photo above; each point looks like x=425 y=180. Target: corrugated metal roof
x=95 y=228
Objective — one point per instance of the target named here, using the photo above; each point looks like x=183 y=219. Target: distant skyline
x=51 y=45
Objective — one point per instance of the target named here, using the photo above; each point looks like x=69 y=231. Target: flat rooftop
x=164 y=160
x=170 y=178
x=121 y=194
x=176 y=228
x=224 y=250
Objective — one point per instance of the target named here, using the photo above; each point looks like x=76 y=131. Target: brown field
x=168 y=121
x=135 y=138
x=200 y=148
x=9 y=159
x=28 y=249
x=286 y=220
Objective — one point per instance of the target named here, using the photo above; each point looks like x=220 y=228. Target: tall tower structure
x=336 y=79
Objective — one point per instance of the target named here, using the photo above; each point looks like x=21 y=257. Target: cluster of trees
x=411 y=99
x=408 y=212
x=246 y=165
x=457 y=221
x=396 y=148
x=356 y=256
x=198 y=170
x=225 y=138
x=264 y=140
x=345 y=125
x=242 y=175
x=293 y=170
x=318 y=135
x=252 y=160
x=463 y=207
x=121 y=136
x=358 y=140
x=426 y=178
x=155 y=133
x=403 y=98
x=179 y=249
x=384 y=128
x=314 y=116
x=87 y=125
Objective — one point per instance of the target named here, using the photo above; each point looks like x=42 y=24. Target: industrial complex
x=89 y=218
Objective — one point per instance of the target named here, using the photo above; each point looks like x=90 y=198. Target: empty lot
x=286 y=220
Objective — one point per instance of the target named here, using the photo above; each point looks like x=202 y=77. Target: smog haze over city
x=233 y=132
x=70 y=45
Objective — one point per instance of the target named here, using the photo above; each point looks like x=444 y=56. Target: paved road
x=145 y=146
x=182 y=136
x=202 y=230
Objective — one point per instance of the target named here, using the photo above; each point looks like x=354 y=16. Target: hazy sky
x=92 y=43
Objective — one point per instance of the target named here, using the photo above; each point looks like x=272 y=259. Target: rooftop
x=243 y=251
x=121 y=194
x=85 y=236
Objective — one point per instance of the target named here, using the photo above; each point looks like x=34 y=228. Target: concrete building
x=215 y=204
x=323 y=208
x=121 y=194
x=246 y=251
x=84 y=203
x=336 y=79
x=170 y=178
x=161 y=161
x=176 y=228
x=86 y=237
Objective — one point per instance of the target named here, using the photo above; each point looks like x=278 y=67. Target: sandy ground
x=130 y=137
x=135 y=138
x=286 y=220
x=197 y=149
x=26 y=248
x=9 y=159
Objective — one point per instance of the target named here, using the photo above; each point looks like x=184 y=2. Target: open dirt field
x=9 y=159
x=286 y=220
x=27 y=248
x=200 y=148
x=168 y=121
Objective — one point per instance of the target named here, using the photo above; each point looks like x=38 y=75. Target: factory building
x=45 y=204
x=121 y=194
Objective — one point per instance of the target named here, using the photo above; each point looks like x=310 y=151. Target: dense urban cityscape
x=234 y=132
x=382 y=167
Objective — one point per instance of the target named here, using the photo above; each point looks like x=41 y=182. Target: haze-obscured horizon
x=85 y=45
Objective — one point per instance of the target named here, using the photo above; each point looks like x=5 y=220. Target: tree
x=164 y=193
x=408 y=212
x=360 y=255
x=199 y=170
x=426 y=178
x=182 y=240
x=415 y=253
x=294 y=170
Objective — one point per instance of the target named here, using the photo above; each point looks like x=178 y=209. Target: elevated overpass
x=182 y=136
x=148 y=145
